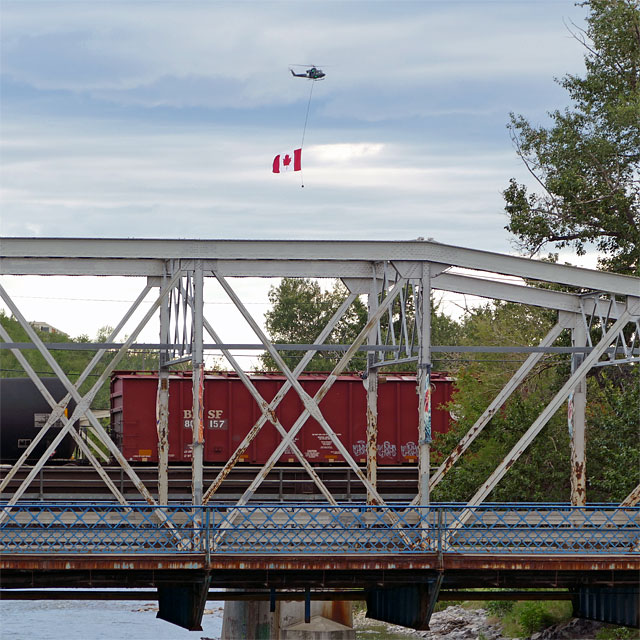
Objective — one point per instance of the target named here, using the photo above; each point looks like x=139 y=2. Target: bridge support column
x=424 y=386
x=183 y=604
x=249 y=619
x=286 y=620
x=408 y=606
x=372 y=399
x=197 y=363
x=162 y=405
x=576 y=407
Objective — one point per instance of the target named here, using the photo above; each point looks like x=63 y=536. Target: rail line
x=284 y=483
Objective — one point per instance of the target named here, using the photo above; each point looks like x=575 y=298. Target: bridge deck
x=326 y=546
x=103 y=528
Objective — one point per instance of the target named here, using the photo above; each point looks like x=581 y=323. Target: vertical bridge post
x=162 y=403
x=198 y=388
x=372 y=395
x=424 y=386
x=576 y=408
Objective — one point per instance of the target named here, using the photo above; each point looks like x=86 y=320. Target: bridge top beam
x=298 y=253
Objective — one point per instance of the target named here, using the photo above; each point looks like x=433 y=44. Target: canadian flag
x=290 y=161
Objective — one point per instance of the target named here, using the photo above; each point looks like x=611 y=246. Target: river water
x=97 y=620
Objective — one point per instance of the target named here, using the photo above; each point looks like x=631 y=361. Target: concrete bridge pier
x=254 y=620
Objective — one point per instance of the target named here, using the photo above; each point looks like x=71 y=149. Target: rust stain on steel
x=460 y=448
x=522 y=563
x=372 y=449
x=201 y=404
x=578 y=483
x=215 y=485
x=450 y=562
x=53 y=563
x=338 y=611
x=267 y=414
x=632 y=499
x=319 y=563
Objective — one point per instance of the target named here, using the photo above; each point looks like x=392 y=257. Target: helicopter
x=312 y=73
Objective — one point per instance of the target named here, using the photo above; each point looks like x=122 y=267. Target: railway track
x=284 y=483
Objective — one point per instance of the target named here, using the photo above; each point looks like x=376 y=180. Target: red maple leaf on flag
x=285 y=162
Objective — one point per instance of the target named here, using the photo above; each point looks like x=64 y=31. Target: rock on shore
x=453 y=623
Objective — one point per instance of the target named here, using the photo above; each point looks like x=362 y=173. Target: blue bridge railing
x=288 y=528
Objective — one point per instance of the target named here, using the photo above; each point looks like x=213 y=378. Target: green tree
x=71 y=361
x=301 y=309
x=587 y=162
x=542 y=472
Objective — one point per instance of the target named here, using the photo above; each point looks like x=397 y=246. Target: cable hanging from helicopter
x=293 y=161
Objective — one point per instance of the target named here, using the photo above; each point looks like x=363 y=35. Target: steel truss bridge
x=401 y=557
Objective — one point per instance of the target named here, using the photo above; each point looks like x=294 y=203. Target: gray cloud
x=162 y=119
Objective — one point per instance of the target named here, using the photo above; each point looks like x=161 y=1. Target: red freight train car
x=230 y=412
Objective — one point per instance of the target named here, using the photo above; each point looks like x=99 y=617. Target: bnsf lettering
x=212 y=414
x=214 y=419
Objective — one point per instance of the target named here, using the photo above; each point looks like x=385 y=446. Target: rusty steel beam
x=498 y=401
x=58 y=412
x=162 y=402
x=268 y=412
x=372 y=396
x=424 y=387
x=455 y=561
x=632 y=499
x=311 y=404
x=83 y=403
x=242 y=447
x=197 y=414
x=576 y=409
x=543 y=418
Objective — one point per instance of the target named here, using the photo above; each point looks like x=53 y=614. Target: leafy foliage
x=72 y=362
x=613 y=424
x=301 y=309
x=542 y=472
x=587 y=162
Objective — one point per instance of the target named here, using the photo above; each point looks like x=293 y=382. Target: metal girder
x=365 y=268
x=486 y=287
x=545 y=416
x=154 y=268
x=372 y=391
x=322 y=250
x=632 y=499
x=311 y=404
x=324 y=334
x=162 y=403
x=311 y=408
x=424 y=386
x=83 y=402
x=197 y=362
x=499 y=400
x=576 y=408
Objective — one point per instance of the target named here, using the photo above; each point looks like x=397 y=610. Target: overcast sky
x=161 y=119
